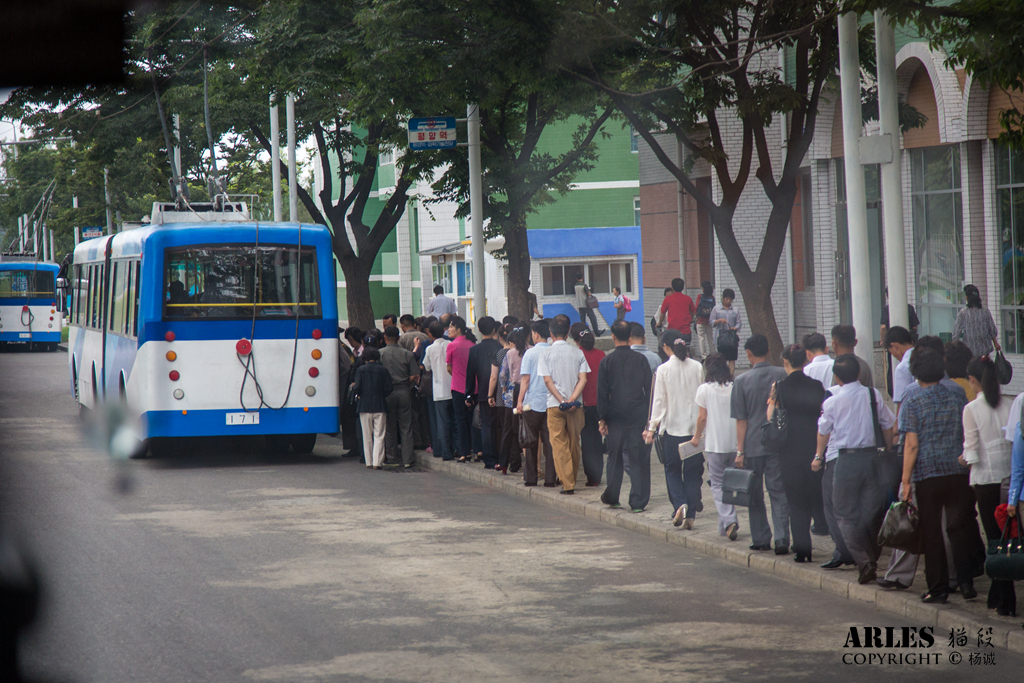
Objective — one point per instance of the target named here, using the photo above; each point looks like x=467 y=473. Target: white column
x=293 y=182
x=856 y=200
x=476 y=209
x=53 y=251
x=78 y=236
x=106 y=195
x=21 y=235
x=275 y=157
x=892 y=185
x=177 y=142
x=46 y=245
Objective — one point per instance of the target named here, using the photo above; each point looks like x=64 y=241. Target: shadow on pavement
x=233 y=451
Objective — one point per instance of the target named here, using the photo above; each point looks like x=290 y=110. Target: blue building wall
x=590 y=242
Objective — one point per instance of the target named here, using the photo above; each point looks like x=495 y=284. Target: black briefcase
x=736 y=485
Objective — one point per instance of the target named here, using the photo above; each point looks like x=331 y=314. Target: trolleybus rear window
x=27 y=284
x=233 y=282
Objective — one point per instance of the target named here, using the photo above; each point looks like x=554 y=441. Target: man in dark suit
x=478 y=378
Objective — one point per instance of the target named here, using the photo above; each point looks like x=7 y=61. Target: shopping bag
x=527 y=436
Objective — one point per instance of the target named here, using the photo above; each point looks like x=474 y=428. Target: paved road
x=234 y=565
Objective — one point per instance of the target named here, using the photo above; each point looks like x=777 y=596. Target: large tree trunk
x=517 y=251
x=357 y=292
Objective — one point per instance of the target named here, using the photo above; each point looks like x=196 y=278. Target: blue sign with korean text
x=436 y=132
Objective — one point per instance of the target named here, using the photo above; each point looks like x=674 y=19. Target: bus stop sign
x=432 y=133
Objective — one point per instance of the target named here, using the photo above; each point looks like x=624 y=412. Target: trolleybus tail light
x=313 y=372
x=174 y=375
x=171 y=355
x=317 y=333
x=243 y=347
x=179 y=394
x=311 y=391
x=316 y=352
x=169 y=336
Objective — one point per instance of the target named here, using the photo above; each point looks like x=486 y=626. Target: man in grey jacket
x=582 y=293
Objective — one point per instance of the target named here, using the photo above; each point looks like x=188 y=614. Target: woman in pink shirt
x=457 y=357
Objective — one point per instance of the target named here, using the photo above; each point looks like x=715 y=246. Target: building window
x=600 y=277
x=938 y=237
x=1010 y=212
x=442 y=275
x=634 y=142
x=636 y=211
x=387 y=157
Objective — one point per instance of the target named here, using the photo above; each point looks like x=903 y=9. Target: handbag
x=774 y=432
x=889 y=466
x=1005 y=559
x=728 y=337
x=901 y=528
x=659 y=448
x=1003 y=368
x=736 y=484
x=592 y=302
x=527 y=435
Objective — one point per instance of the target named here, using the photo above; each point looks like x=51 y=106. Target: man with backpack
x=702 y=318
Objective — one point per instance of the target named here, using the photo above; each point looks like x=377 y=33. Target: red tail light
x=317 y=334
x=243 y=347
x=169 y=336
x=174 y=375
x=313 y=372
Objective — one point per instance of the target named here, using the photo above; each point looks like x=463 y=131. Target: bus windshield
x=236 y=282
x=27 y=284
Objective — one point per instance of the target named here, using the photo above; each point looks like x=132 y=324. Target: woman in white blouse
x=988 y=455
x=674 y=417
x=716 y=426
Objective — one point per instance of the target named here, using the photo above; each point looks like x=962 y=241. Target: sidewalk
x=655 y=522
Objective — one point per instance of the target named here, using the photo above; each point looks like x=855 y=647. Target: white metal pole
x=177 y=142
x=293 y=181
x=275 y=157
x=35 y=240
x=892 y=182
x=476 y=209
x=21 y=235
x=46 y=246
x=53 y=251
x=78 y=236
x=856 y=199
x=106 y=194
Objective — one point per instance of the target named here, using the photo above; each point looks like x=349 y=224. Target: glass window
x=634 y=141
x=27 y=284
x=621 y=276
x=569 y=277
x=599 y=282
x=1010 y=217
x=553 y=285
x=938 y=236
x=135 y=298
x=442 y=275
x=116 y=320
x=636 y=211
x=226 y=282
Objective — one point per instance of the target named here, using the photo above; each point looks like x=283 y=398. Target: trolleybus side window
x=117 y=296
x=234 y=282
x=135 y=301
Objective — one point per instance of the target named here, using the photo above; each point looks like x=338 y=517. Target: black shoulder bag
x=774 y=432
x=890 y=465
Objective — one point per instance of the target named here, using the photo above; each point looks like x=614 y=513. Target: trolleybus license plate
x=24 y=335
x=242 y=418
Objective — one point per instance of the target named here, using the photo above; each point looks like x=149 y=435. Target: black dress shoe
x=781 y=549
x=938 y=598
x=968 y=591
x=567 y=493
x=529 y=483
x=550 y=486
x=761 y=547
x=802 y=558
x=867 y=575
x=889 y=585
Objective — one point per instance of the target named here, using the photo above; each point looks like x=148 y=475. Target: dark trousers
x=1001 y=593
x=441 y=434
x=800 y=487
x=487 y=436
x=399 y=422
x=421 y=426
x=508 y=441
x=858 y=499
x=767 y=476
x=461 y=440
x=953 y=495
x=818 y=522
x=628 y=439
x=538 y=421
x=683 y=477
x=588 y=311
x=593 y=447
x=841 y=553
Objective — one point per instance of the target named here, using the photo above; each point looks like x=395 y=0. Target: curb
x=892 y=602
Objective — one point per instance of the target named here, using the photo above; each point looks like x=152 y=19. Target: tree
x=685 y=69
x=495 y=55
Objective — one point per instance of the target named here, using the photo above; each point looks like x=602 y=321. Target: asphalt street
x=231 y=564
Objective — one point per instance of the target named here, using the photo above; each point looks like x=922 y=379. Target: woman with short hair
x=716 y=425
x=975 y=326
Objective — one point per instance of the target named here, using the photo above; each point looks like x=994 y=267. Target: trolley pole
x=106 y=194
x=293 y=181
x=275 y=157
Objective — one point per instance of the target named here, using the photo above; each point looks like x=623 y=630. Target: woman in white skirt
x=718 y=429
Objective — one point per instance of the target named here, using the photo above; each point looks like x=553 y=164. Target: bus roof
x=29 y=265
x=133 y=242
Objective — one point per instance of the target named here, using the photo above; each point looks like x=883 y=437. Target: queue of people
x=540 y=398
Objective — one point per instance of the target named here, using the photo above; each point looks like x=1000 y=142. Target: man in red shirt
x=679 y=308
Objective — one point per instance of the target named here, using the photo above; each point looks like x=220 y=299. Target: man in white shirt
x=564 y=369
x=441 y=304
x=820 y=365
x=441 y=415
x=846 y=418
x=638 y=342
x=900 y=346
x=533 y=401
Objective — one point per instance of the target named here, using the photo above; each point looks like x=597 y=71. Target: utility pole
x=293 y=181
x=275 y=157
x=53 y=251
x=892 y=185
x=856 y=199
x=476 y=210
x=177 y=140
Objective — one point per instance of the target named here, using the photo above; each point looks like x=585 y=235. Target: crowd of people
x=538 y=397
